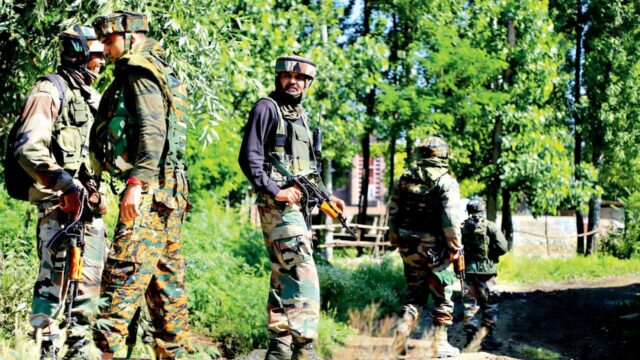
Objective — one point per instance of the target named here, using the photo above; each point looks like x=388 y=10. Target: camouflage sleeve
x=150 y=114
x=497 y=242
x=451 y=217
x=34 y=138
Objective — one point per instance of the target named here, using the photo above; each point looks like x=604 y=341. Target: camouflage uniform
x=52 y=145
x=278 y=128
x=140 y=133
x=484 y=244
x=424 y=225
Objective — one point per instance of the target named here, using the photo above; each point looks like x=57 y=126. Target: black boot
x=491 y=342
x=304 y=351
x=76 y=347
x=278 y=350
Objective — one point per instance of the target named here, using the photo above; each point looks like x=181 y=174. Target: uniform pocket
x=292 y=251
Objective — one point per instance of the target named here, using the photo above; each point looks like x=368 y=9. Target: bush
x=345 y=288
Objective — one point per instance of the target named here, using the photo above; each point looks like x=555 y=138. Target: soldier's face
x=96 y=62
x=113 y=46
x=293 y=82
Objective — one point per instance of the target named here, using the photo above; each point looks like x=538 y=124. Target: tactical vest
x=475 y=239
x=420 y=208
x=300 y=141
x=70 y=133
x=117 y=153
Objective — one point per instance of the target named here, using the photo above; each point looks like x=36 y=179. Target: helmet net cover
x=476 y=205
x=433 y=147
x=76 y=43
x=297 y=64
x=121 y=22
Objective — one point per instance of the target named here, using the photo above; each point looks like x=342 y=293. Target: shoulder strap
x=57 y=81
x=281 y=132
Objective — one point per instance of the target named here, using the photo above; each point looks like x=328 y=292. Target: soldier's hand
x=70 y=202
x=129 y=205
x=339 y=203
x=454 y=255
x=289 y=195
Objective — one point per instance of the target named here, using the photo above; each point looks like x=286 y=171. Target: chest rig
x=70 y=132
x=122 y=129
x=297 y=140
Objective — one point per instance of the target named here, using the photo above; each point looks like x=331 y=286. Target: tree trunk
x=494 y=181
x=577 y=151
x=392 y=162
x=507 y=218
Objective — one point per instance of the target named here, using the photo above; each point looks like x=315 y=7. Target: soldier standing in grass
x=140 y=137
x=52 y=148
x=424 y=225
x=278 y=130
x=483 y=244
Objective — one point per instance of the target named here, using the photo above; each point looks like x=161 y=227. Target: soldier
x=278 y=130
x=140 y=137
x=484 y=244
x=51 y=146
x=424 y=225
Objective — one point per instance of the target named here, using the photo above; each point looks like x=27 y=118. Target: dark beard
x=285 y=98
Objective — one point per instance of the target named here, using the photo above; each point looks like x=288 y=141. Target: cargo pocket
x=125 y=245
x=159 y=207
x=291 y=245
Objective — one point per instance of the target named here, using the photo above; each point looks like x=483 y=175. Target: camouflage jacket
x=35 y=153
x=146 y=103
x=425 y=206
x=483 y=245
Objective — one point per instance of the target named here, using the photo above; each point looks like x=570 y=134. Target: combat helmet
x=121 y=22
x=296 y=63
x=476 y=205
x=433 y=146
x=76 y=44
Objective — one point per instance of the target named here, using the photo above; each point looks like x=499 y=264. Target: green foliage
x=527 y=270
x=345 y=288
x=538 y=353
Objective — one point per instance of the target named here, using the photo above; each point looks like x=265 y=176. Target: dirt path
x=577 y=319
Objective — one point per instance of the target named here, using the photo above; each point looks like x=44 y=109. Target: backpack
x=475 y=239
x=16 y=179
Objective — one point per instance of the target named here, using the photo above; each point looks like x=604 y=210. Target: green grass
x=537 y=353
x=527 y=270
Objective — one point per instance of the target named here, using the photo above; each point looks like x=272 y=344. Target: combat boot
x=441 y=346
x=278 y=349
x=304 y=351
x=49 y=350
x=76 y=348
x=403 y=330
x=491 y=342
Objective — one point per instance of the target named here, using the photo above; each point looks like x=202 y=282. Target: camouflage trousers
x=481 y=294
x=50 y=290
x=294 y=296
x=426 y=275
x=146 y=260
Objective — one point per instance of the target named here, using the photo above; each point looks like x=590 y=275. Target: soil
x=576 y=319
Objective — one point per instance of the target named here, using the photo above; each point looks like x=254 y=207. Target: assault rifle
x=72 y=235
x=312 y=195
x=458 y=267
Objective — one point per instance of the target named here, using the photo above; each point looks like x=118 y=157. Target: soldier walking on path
x=140 y=137
x=483 y=244
x=51 y=146
x=425 y=226
x=278 y=131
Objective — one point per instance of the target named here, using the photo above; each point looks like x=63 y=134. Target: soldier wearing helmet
x=483 y=244
x=52 y=141
x=425 y=226
x=140 y=137
x=278 y=131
